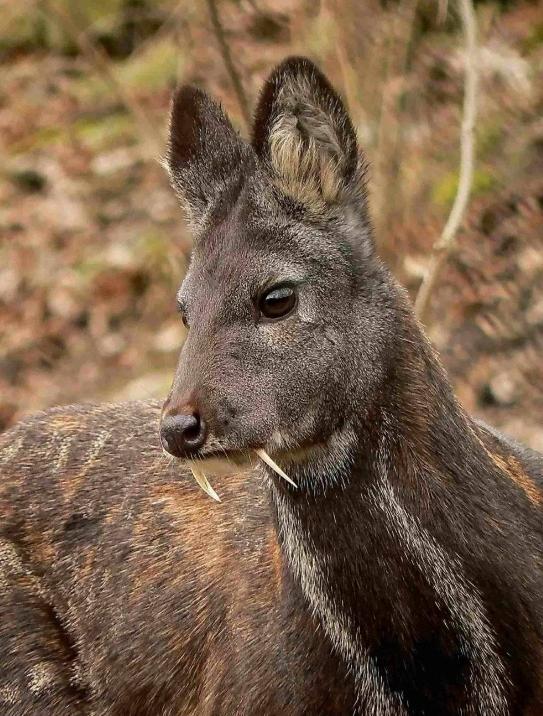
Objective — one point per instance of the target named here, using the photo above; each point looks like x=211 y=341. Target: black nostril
x=183 y=434
x=192 y=429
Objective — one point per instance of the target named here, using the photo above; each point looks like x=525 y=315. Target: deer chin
x=216 y=465
x=225 y=463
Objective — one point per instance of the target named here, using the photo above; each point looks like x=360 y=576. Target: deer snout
x=183 y=432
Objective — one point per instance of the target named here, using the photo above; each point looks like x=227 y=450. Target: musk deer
x=398 y=570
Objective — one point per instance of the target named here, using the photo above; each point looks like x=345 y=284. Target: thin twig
x=388 y=151
x=99 y=60
x=447 y=242
x=442 y=7
x=229 y=64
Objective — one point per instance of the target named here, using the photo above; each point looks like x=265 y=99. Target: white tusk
x=201 y=479
x=263 y=455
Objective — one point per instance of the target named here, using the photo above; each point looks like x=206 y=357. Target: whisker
x=226 y=454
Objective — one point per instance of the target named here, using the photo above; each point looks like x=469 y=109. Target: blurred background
x=93 y=245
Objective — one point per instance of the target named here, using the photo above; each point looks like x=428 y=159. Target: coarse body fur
x=404 y=574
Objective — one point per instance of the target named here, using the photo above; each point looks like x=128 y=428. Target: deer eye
x=278 y=302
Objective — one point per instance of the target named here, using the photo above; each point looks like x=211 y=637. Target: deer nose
x=183 y=434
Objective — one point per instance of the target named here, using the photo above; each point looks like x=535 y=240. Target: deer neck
x=362 y=553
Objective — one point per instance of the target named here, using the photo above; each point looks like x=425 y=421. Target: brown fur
x=512 y=467
x=139 y=557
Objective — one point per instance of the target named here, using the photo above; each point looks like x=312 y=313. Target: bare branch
x=442 y=7
x=228 y=62
x=447 y=242
x=389 y=146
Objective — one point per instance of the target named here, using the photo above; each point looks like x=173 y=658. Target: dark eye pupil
x=278 y=302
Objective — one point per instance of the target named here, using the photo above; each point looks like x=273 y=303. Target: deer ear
x=205 y=156
x=303 y=134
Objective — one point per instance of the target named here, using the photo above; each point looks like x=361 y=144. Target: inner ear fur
x=303 y=134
